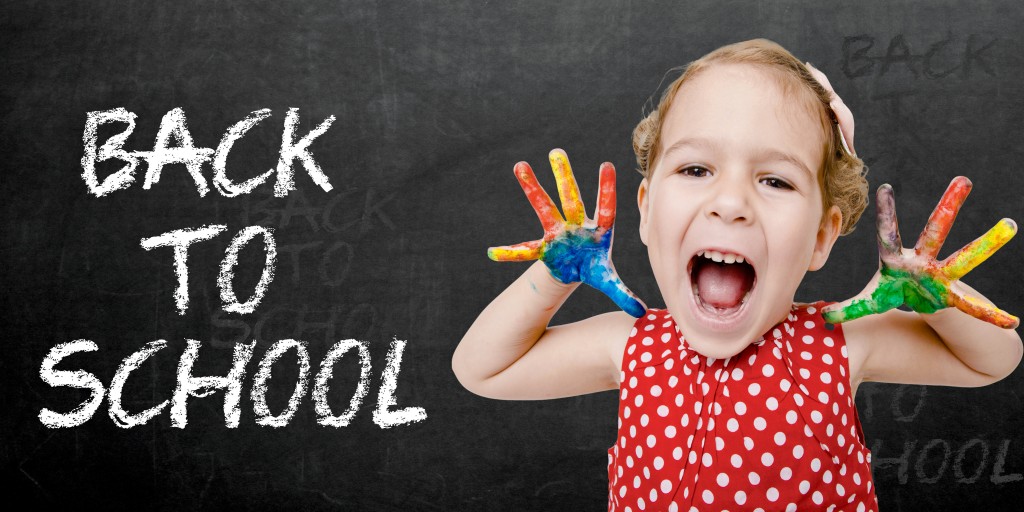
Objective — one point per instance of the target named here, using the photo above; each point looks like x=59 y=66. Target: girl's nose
x=729 y=201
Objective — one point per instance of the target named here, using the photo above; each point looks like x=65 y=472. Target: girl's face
x=736 y=176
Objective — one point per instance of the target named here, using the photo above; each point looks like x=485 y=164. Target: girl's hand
x=914 y=277
x=574 y=248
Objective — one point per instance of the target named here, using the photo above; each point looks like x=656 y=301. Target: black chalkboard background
x=435 y=102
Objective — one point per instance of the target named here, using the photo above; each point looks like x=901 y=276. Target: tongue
x=723 y=285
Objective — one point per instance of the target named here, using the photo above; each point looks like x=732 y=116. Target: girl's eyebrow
x=759 y=154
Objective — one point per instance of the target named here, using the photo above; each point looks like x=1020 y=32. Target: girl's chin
x=718 y=333
x=716 y=345
x=714 y=350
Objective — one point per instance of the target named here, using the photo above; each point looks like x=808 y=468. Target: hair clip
x=842 y=136
x=832 y=115
x=838 y=111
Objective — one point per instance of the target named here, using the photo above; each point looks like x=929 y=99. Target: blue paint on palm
x=582 y=255
x=572 y=255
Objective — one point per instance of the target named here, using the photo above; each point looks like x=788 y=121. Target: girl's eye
x=696 y=172
x=777 y=183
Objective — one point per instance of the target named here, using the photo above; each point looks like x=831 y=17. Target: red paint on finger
x=606 y=197
x=941 y=219
x=549 y=217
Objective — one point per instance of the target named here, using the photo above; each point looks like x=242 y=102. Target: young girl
x=733 y=397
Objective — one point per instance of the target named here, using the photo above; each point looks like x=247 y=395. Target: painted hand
x=574 y=248
x=914 y=277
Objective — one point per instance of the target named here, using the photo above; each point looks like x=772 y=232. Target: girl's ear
x=828 y=232
x=641 y=203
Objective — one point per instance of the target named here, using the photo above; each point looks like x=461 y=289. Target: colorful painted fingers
x=915 y=277
x=573 y=248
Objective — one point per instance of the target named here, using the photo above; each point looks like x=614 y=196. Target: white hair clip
x=843 y=117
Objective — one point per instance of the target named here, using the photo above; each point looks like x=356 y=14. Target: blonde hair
x=841 y=174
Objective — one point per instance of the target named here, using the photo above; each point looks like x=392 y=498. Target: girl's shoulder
x=654 y=319
x=811 y=311
x=653 y=338
x=805 y=333
x=806 y=324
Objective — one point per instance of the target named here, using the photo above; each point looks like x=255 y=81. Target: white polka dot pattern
x=772 y=427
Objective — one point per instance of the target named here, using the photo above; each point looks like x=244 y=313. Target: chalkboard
x=431 y=103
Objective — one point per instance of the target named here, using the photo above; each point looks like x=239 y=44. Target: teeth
x=721 y=257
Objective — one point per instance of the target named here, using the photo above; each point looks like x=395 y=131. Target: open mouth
x=722 y=282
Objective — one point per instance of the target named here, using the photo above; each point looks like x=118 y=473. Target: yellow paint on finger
x=520 y=252
x=976 y=252
x=568 y=190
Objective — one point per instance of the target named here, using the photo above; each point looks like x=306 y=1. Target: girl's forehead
x=746 y=105
x=721 y=85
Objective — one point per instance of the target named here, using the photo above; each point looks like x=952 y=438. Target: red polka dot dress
x=772 y=428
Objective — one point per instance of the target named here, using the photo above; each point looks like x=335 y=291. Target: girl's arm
x=945 y=348
x=509 y=353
